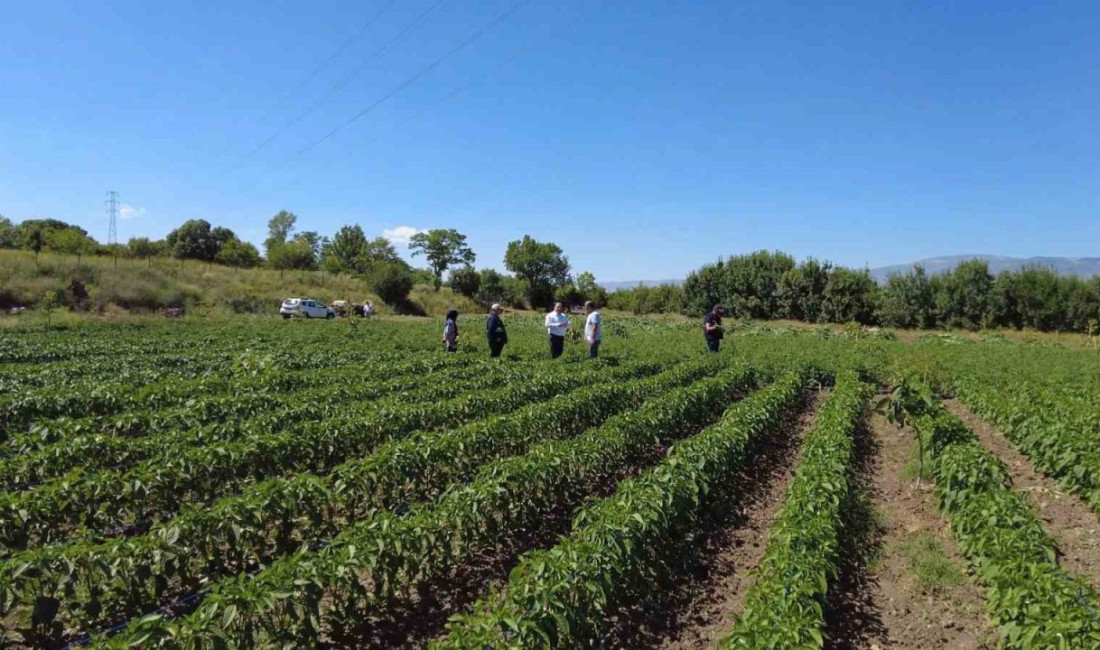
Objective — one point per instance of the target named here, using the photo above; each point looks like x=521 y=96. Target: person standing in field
x=557 y=324
x=593 y=329
x=712 y=328
x=450 y=331
x=494 y=328
x=368 y=309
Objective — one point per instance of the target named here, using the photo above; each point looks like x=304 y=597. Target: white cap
x=495 y=307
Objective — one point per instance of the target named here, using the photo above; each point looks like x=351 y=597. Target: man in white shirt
x=557 y=324
x=593 y=329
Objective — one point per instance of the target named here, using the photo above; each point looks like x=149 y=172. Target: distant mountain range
x=1084 y=267
x=630 y=284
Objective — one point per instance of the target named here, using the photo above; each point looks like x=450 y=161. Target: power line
x=343 y=82
x=461 y=88
x=423 y=71
x=332 y=57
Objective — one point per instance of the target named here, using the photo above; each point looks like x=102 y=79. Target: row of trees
x=540 y=271
x=766 y=285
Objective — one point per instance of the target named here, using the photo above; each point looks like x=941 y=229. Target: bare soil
x=706 y=587
x=1066 y=518
x=879 y=602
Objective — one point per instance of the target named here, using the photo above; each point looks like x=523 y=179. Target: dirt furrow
x=903 y=582
x=705 y=587
x=1069 y=520
x=414 y=621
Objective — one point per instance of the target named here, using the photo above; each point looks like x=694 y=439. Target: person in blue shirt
x=494 y=329
x=712 y=328
x=450 y=331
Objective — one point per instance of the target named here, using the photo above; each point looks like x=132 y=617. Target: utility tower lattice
x=112 y=214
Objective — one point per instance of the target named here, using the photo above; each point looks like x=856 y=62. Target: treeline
x=767 y=285
x=540 y=272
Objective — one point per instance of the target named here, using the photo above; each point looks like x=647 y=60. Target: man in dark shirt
x=494 y=328
x=712 y=328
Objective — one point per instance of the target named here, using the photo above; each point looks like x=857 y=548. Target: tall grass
x=103 y=285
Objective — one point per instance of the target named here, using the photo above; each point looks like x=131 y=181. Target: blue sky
x=644 y=137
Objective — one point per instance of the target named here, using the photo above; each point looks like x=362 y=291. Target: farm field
x=347 y=484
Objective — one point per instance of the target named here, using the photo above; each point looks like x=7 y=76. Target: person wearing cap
x=557 y=324
x=593 y=329
x=494 y=328
x=712 y=328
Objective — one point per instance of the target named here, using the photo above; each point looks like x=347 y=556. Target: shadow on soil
x=667 y=612
x=852 y=619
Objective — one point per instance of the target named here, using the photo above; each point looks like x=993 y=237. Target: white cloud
x=401 y=234
x=127 y=211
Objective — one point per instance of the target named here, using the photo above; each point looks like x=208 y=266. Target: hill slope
x=100 y=284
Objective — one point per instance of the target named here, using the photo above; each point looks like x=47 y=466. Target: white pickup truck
x=306 y=307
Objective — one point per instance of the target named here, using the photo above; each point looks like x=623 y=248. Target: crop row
x=785 y=607
x=1036 y=603
x=1057 y=443
x=561 y=597
x=133 y=409
x=244 y=416
x=384 y=557
x=158 y=486
x=128 y=576
x=96 y=403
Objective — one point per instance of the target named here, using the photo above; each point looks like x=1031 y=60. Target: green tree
x=568 y=295
x=543 y=266
x=381 y=251
x=589 y=289
x=751 y=284
x=9 y=236
x=313 y=240
x=223 y=236
x=45 y=226
x=238 y=254
x=662 y=299
x=34 y=239
x=294 y=255
x=347 y=251
x=801 y=291
x=703 y=289
x=193 y=241
x=1040 y=299
x=466 y=281
x=392 y=282
x=443 y=249
x=141 y=248
x=907 y=300
x=70 y=242
x=963 y=295
x=279 y=228
x=491 y=287
x=849 y=296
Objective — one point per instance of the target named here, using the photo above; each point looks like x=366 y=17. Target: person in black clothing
x=494 y=328
x=712 y=328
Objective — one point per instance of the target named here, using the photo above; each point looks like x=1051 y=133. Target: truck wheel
x=330 y=316
x=286 y=316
